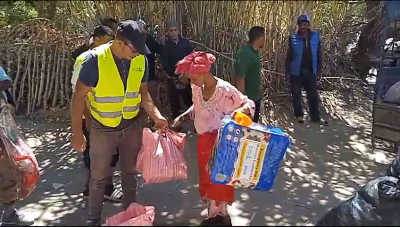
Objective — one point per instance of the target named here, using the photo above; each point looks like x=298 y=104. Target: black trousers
x=86 y=155
x=174 y=96
x=257 y=110
x=308 y=81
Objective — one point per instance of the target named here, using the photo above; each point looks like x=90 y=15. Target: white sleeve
x=75 y=74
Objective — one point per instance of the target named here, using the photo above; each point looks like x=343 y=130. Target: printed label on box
x=249 y=163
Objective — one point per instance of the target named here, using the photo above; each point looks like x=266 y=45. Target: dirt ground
x=324 y=166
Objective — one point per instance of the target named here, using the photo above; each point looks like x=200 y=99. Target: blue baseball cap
x=303 y=18
x=135 y=34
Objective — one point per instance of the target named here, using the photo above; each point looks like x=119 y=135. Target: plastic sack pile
x=161 y=157
x=375 y=204
x=247 y=157
x=135 y=215
x=19 y=172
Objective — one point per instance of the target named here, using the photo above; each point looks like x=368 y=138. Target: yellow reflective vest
x=109 y=102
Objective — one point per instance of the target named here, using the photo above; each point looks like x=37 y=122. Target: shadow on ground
x=324 y=166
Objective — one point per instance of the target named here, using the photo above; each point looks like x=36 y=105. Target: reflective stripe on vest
x=114 y=114
x=109 y=102
x=297 y=55
x=128 y=95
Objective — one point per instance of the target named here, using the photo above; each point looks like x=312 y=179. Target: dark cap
x=172 y=23
x=102 y=30
x=134 y=33
x=303 y=18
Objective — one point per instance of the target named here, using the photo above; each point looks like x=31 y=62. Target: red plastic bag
x=135 y=215
x=161 y=157
x=19 y=171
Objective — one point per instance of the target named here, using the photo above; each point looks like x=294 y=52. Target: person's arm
x=79 y=105
x=147 y=101
x=189 y=113
x=166 y=60
x=241 y=102
x=289 y=56
x=88 y=78
x=320 y=56
x=241 y=68
x=74 y=80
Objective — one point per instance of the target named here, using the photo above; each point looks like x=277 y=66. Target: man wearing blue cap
x=303 y=69
x=101 y=35
x=114 y=77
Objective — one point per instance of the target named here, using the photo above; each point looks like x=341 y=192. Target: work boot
x=15 y=218
x=93 y=222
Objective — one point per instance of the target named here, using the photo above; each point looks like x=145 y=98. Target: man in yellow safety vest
x=101 y=35
x=113 y=77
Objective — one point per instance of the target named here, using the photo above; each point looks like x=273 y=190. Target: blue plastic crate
x=247 y=157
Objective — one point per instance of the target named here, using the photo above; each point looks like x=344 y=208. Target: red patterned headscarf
x=195 y=63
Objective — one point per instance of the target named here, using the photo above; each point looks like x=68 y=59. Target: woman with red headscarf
x=213 y=98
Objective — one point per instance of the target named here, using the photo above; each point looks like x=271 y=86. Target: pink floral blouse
x=207 y=115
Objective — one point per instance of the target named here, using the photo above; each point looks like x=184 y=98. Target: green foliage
x=14 y=12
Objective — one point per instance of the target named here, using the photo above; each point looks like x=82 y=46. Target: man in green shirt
x=248 y=68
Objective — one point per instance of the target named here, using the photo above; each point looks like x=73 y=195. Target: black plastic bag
x=375 y=204
x=394 y=169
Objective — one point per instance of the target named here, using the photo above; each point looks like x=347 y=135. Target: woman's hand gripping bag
x=161 y=157
x=19 y=171
x=135 y=215
x=247 y=157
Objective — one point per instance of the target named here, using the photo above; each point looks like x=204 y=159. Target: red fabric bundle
x=197 y=62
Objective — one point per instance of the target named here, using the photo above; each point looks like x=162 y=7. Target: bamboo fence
x=37 y=52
